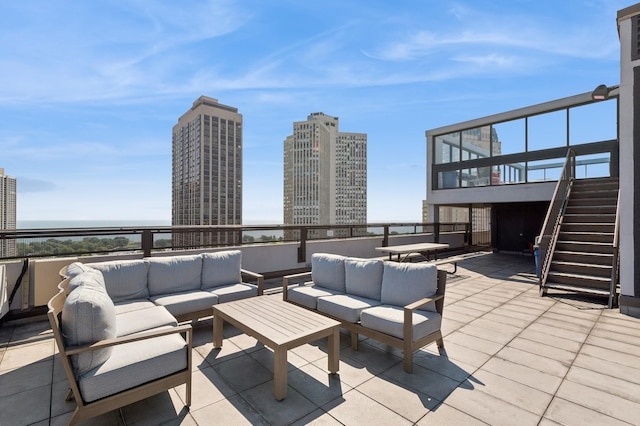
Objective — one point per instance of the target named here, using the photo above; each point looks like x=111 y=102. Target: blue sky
x=90 y=90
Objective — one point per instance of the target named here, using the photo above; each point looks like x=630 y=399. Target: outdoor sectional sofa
x=399 y=304
x=186 y=285
x=116 y=323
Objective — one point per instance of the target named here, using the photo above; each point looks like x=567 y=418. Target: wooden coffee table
x=280 y=326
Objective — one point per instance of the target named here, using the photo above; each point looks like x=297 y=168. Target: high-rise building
x=7 y=212
x=207 y=171
x=325 y=175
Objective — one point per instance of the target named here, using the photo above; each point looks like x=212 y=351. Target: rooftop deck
x=511 y=357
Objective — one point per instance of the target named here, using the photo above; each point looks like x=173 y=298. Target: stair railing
x=546 y=241
x=614 y=261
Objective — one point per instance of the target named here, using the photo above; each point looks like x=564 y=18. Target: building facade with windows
x=207 y=170
x=8 y=187
x=325 y=174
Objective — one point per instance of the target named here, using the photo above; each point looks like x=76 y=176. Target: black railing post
x=146 y=242
x=436 y=232
x=385 y=238
x=302 y=250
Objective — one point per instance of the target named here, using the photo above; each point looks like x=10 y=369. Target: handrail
x=549 y=233
x=614 y=261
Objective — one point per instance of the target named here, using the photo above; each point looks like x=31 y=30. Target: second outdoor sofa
x=399 y=304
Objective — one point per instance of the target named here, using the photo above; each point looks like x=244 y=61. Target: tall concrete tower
x=325 y=174
x=207 y=171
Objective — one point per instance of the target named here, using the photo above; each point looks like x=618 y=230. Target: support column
x=629 y=142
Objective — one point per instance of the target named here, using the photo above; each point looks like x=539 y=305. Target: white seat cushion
x=363 y=277
x=307 y=295
x=186 y=302
x=405 y=283
x=133 y=364
x=221 y=268
x=345 y=306
x=88 y=316
x=389 y=319
x=132 y=305
x=143 y=320
x=327 y=270
x=124 y=279
x=228 y=293
x=174 y=274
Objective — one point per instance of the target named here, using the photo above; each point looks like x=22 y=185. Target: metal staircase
x=581 y=252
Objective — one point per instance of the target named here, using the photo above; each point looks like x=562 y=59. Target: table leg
x=218 y=323
x=280 y=373
x=334 y=351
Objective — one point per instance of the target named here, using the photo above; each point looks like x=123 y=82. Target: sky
x=90 y=90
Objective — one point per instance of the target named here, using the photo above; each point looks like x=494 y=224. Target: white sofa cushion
x=124 y=279
x=133 y=364
x=221 y=268
x=307 y=295
x=363 y=277
x=389 y=319
x=91 y=277
x=186 y=302
x=228 y=293
x=405 y=283
x=143 y=319
x=132 y=305
x=327 y=270
x=76 y=268
x=345 y=306
x=88 y=316
x=173 y=274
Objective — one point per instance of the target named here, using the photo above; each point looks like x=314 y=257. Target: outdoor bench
x=399 y=304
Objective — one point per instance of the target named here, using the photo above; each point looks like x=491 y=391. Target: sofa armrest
x=185 y=328
x=418 y=303
x=258 y=277
x=285 y=282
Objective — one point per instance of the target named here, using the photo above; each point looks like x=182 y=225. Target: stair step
x=582 y=257
x=589 y=218
x=600 y=228
x=584 y=246
x=579 y=280
x=591 y=210
x=579 y=193
x=577 y=289
x=594 y=237
x=581 y=268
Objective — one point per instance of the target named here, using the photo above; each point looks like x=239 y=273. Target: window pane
x=448 y=180
x=591 y=166
x=547 y=130
x=510 y=137
x=544 y=170
x=477 y=141
x=593 y=122
x=447 y=148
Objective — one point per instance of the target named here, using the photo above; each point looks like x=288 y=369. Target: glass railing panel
x=544 y=170
x=594 y=165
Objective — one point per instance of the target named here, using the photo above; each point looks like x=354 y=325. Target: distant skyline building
x=325 y=174
x=8 y=191
x=207 y=171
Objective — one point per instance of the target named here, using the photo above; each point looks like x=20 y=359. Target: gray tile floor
x=511 y=357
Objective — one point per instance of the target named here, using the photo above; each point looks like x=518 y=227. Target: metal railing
x=549 y=234
x=614 y=261
x=60 y=242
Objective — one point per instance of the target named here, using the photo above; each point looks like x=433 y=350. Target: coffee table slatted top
x=276 y=322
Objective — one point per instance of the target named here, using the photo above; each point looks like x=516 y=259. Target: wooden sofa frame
x=86 y=410
x=407 y=344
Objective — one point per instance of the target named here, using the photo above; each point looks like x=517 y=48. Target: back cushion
x=76 y=268
x=91 y=277
x=221 y=268
x=88 y=315
x=327 y=270
x=363 y=277
x=174 y=274
x=124 y=279
x=405 y=283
